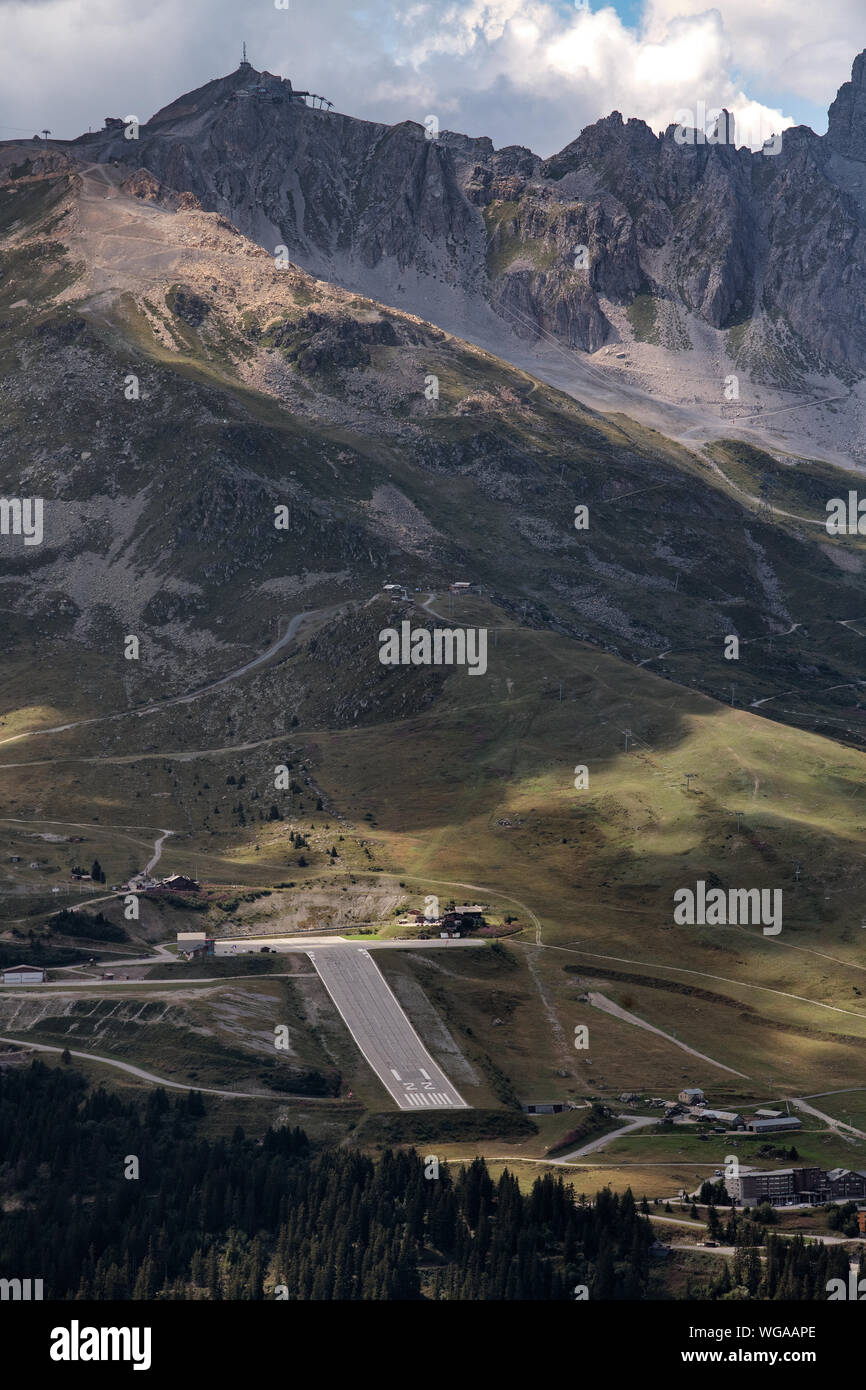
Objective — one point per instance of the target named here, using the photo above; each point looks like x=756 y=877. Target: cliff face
x=772 y=244
x=168 y=392
x=322 y=184
x=846 y=131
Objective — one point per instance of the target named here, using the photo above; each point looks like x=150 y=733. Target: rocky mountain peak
x=623 y=236
x=846 y=132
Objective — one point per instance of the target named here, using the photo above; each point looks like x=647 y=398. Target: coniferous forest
x=251 y=1218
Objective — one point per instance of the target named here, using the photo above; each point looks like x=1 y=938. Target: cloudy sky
x=530 y=72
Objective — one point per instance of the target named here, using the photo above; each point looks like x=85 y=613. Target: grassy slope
x=596 y=867
x=495 y=467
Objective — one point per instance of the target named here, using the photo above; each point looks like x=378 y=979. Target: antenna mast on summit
x=245 y=63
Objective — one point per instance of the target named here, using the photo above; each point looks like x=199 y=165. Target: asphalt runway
x=382 y=1030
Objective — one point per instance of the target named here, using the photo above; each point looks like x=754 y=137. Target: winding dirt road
x=174 y=700
x=163 y=1081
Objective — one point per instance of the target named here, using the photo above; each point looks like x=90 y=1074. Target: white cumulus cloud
x=531 y=72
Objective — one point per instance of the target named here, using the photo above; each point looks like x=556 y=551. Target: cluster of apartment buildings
x=784 y=1187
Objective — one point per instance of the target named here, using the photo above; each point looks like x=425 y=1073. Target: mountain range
x=671 y=261
x=258 y=387
x=281 y=379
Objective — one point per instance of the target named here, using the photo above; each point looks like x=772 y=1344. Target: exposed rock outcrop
x=770 y=242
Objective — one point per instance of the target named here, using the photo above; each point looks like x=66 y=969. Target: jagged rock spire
x=846 y=132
